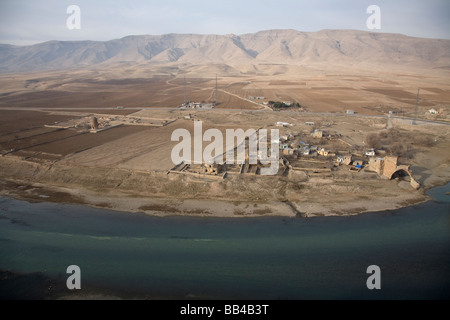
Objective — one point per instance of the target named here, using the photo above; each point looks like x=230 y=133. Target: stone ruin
x=213 y=169
x=94 y=123
x=388 y=167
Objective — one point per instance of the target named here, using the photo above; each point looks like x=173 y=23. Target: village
x=314 y=152
x=321 y=151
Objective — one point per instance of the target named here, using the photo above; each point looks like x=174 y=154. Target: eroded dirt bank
x=156 y=193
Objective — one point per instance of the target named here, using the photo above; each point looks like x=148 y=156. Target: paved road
x=419 y=121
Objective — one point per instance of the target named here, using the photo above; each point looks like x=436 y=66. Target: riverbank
x=160 y=194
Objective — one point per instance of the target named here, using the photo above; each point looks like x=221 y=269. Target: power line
x=217 y=91
x=417 y=106
x=185 y=99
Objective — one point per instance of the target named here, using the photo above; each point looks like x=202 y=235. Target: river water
x=243 y=258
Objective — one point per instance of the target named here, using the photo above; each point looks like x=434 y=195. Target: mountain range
x=288 y=47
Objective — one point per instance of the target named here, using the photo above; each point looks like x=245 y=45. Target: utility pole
x=216 y=91
x=185 y=100
x=417 y=106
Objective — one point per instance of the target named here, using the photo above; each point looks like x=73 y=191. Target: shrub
x=373 y=140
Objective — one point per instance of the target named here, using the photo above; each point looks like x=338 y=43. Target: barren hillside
x=291 y=47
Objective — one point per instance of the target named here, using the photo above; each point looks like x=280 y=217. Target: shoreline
x=167 y=207
x=162 y=195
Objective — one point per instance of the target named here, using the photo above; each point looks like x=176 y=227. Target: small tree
x=397 y=148
x=373 y=141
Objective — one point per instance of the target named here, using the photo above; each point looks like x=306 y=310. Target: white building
x=370 y=153
x=433 y=111
x=282 y=124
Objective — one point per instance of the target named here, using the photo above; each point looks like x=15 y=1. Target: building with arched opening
x=388 y=167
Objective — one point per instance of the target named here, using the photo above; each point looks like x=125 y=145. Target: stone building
x=376 y=164
x=213 y=169
x=317 y=133
x=389 y=168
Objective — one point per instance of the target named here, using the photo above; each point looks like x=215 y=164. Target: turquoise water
x=255 y=258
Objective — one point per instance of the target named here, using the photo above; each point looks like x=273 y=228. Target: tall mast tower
x=185 y=99
x=216 y=91
x=417 y=106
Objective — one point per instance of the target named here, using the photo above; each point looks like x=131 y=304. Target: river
x=139 y=256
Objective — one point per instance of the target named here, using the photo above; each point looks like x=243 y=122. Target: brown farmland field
x=314 y=89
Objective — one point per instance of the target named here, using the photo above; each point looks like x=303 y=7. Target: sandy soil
x=338 y=203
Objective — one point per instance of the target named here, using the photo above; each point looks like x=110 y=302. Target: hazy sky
x=30 y=21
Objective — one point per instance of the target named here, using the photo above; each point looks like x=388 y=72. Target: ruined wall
x=414 y=183
x=376 y=164
x=347 y=160
x=318 y=134
x=213 y=168
x=390 y=166
x=94 y=123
